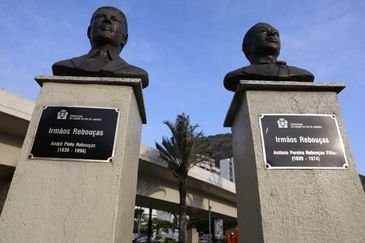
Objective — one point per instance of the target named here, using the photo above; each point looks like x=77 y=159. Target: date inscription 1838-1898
x=76 y=133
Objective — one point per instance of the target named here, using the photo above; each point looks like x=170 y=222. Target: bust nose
x=107 y=19
x=271 y=32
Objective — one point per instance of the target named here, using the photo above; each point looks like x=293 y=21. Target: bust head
x=108 y=29
x=261 y=44
x=108 y=34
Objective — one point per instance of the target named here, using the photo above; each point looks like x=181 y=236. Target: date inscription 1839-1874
x=295 y=141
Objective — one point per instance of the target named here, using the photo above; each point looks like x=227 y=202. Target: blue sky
x=188 y=46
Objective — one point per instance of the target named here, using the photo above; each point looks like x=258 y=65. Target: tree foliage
x=185 y=148
x=201 y=224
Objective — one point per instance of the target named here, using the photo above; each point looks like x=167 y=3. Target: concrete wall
x=193 y=235
x=10 y=147
x=5 y=184
x=15 y=113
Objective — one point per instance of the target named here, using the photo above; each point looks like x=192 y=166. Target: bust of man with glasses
x=108 y=34
x=261 y=46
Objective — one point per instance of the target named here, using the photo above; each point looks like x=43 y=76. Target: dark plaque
x=76 y=133
x=297 y=141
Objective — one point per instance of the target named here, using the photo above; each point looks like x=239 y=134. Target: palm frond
x=181 y=149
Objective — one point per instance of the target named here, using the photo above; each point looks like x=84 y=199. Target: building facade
x=227 y=169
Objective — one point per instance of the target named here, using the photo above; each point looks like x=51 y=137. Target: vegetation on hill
x=220 y=146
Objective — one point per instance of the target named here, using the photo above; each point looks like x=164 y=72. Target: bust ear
x=124 y=39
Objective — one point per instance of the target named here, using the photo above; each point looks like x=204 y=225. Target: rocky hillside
x=221 y=146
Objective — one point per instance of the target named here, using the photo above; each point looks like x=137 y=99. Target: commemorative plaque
x=301 y=141
x=76 y=133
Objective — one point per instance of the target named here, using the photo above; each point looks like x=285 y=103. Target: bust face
x=263 y=39
x=108 y=27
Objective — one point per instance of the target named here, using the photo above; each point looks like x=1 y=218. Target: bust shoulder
x=232 y=79
x=120 y=68
x=66 y=67
x=269 y=71
x=116 y=68
x=302 y=74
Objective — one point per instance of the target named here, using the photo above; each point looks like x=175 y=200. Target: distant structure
x=227 y=169
x=108 y=34
x=164 y=215
x=261 y=46
x=208 y=164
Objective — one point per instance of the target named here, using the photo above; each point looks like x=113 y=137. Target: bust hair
x=246 y=39
x=124 y=24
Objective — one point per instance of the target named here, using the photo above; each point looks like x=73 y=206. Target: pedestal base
x=297 y=205
x=77 y=201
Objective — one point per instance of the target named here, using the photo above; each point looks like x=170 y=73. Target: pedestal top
x=276 y=86
x=136 y=84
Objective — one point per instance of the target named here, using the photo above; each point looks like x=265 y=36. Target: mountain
x=221 y=146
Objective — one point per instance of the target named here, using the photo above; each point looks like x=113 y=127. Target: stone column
x=193 y=235
x=56 y=200
x=291 y=205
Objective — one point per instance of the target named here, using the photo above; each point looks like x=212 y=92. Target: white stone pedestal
x=296 y=205
x=78 y=201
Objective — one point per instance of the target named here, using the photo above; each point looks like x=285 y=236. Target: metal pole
x=210 y=220
x=139 y=226
x=149 y=233
x=209 y=208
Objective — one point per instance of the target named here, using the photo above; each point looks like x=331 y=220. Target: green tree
x=138 y=215
x=185 y=148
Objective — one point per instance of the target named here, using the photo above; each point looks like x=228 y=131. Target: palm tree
x=181 y=151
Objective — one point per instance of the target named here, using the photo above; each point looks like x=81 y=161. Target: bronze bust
x=108 y=34
x=261 y=46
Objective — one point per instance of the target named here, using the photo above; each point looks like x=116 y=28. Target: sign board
x=301 y=141
x=76 y=133
x=218 y=229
